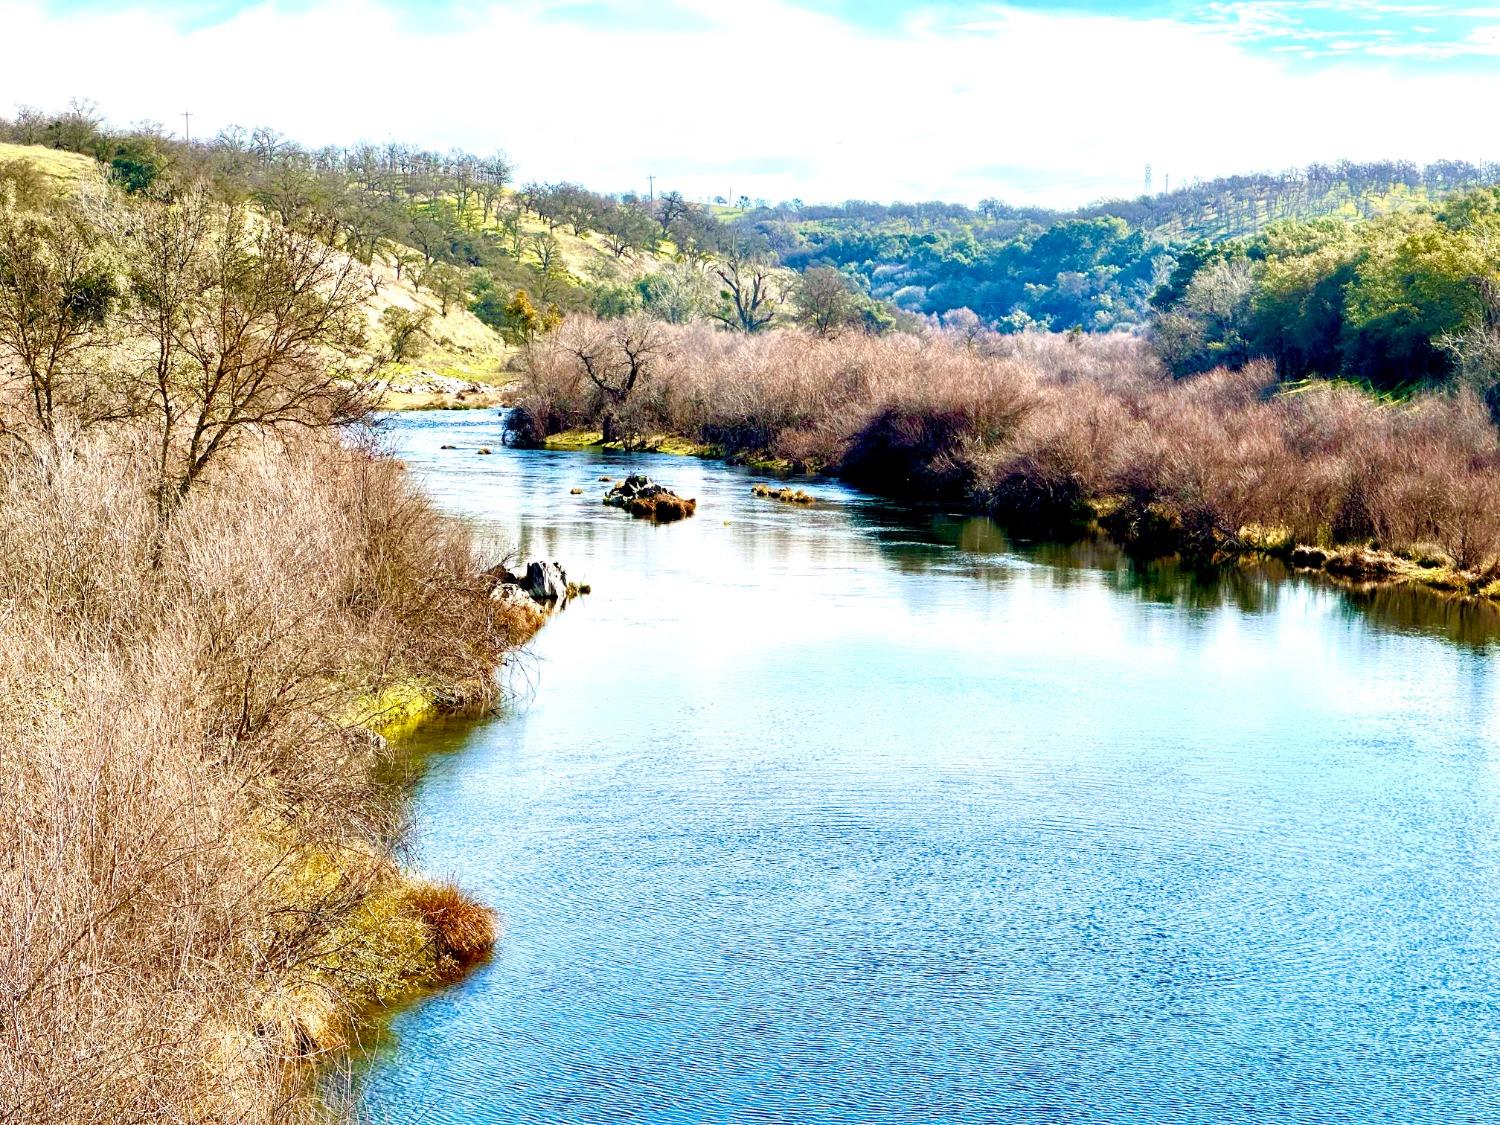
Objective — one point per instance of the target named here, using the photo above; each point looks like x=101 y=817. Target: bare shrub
x=189 y=826
x=1044 y=428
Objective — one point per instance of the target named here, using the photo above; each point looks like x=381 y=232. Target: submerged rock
x=644 y=498
x=785 y=495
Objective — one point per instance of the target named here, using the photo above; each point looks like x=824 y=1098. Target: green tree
x=404 y=331
x=1298 y=307
x=446 y=284
x=1417 y=282
x=136 y=164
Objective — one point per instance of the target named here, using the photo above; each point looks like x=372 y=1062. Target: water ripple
x=814 y=818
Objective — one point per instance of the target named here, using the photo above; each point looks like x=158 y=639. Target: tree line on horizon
x=1378 y=270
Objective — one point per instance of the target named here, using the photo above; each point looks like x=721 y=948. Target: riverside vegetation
x=1055 y=431
x=215 y=595
x=216 y=592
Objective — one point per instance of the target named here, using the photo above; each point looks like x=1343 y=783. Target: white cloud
x=758 y=97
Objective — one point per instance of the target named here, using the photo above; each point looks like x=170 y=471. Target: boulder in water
x=645 y=499
x=546 y=582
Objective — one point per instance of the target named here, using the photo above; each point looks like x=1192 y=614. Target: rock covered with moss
x=645 y=499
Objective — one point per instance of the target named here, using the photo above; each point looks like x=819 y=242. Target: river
x=863 y=814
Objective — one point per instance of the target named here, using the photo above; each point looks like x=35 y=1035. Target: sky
x=819 y=100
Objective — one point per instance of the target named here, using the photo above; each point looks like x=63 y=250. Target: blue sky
x=817 y=99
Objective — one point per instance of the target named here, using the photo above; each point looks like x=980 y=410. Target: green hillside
x=1094 y=268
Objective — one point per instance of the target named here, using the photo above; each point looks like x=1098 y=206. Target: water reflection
x=906 y=534
x=861 y=814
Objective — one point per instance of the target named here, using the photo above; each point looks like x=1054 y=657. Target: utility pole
x=187 y=133
x=652 y=193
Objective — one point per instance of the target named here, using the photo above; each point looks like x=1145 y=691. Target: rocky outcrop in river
x=544 y=585
x=644 y=498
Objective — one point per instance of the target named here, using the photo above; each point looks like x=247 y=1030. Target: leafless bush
x=1039 y=427
x=185 y=815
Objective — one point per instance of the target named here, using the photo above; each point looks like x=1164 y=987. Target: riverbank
x=1054 y=433
x=203 y=887
x=1355 y=565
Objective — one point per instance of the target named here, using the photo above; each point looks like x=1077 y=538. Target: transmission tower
x=1148 y=179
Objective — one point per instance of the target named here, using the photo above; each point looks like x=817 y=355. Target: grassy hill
x=64 y=169
x=455 y=343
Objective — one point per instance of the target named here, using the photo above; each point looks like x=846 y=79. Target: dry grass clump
x=463 y=931
x=189 y=829
x=662 y=509
x=785 y=495
x=1054 y=430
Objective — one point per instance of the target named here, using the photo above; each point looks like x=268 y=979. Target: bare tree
x=668 y=208
x=494 y=173
x=242 y=316
x=626 y=227
x=617 y=357
x=748 y=299
x=824 y=301
x=56 y=292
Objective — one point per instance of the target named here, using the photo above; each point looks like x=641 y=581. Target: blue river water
x=863 y=814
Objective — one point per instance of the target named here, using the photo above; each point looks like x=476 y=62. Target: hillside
x=485 y=262
x=63 y=169
x=1095 y=268
x=452 y=341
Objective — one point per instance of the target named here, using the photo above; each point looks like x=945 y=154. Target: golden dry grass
x=66 y=169
x=196 y=877
x=463 y=931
